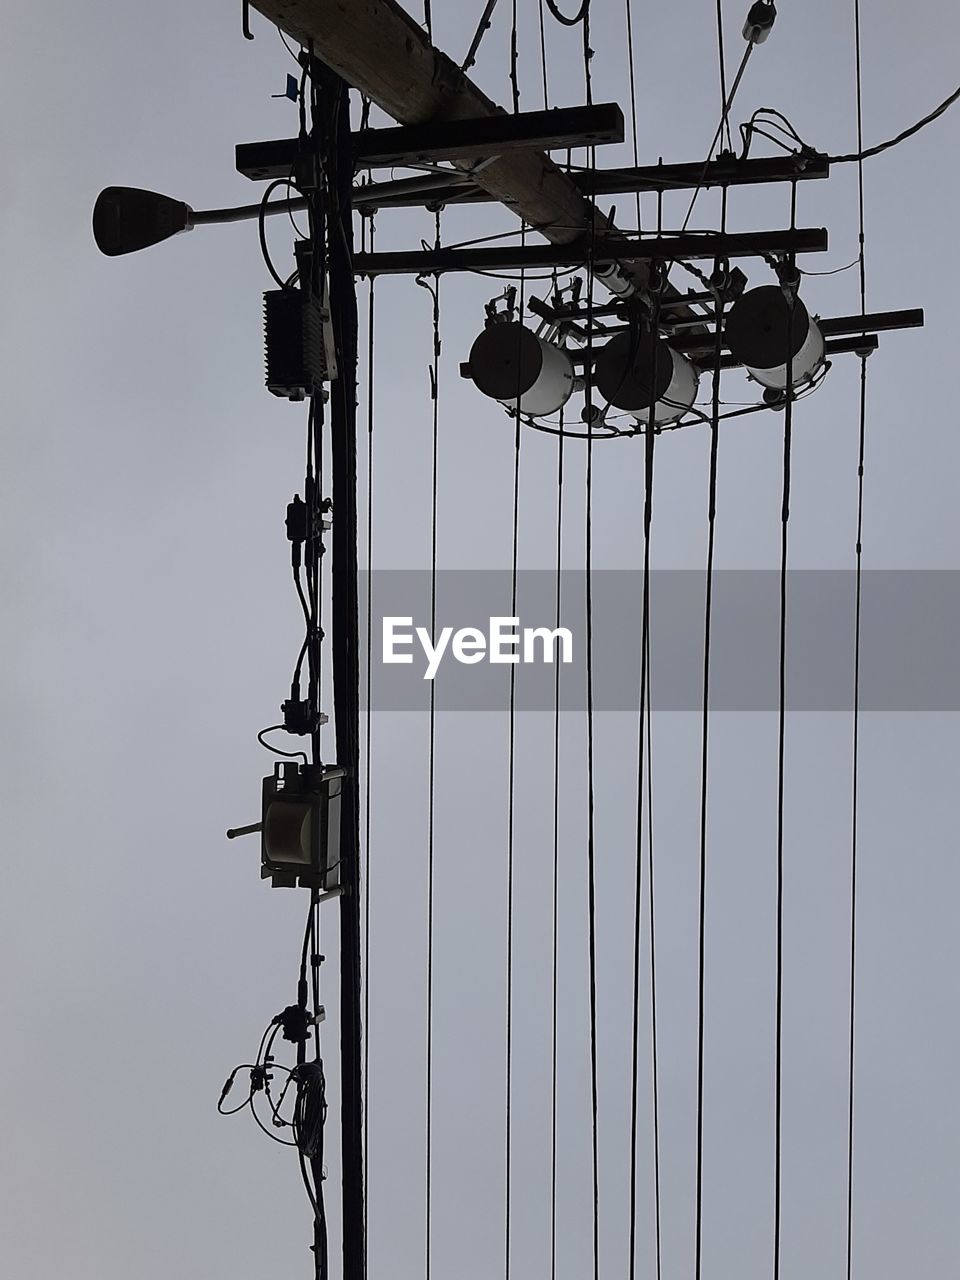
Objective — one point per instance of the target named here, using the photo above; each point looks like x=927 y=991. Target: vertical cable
x=653 y=975
x=633 y=101
x=511 y=797
x=367 y=734
x=591 y=845
x=556 y=870
x=643 y=718
x=654 y=1055
x=704 y=738
x=723 y=71
x=781 y=739
x=543 y=57
x=855 y=801
x=431 y=768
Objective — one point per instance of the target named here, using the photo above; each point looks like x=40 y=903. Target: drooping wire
x=631 y=64
x=554 y=1117
x=704 y=745
x=855 y=763
x=861 y=154
x=262 y=229
x=580 y=16
x=643 y=727
x=654 y=1054
x=724 y=119
x=274 y=728
x=483 y=27
x=723 y=74
x=543 y=54
x=591 y=796
x=781 y=772
x=434 y=291
x=654 y=1047
x=511 y=799
x=512 y=727
x=368 y=736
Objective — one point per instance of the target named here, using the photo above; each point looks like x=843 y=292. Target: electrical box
x=298 y=343
x=300 y=826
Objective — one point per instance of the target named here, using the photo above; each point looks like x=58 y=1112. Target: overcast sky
x=150 y=625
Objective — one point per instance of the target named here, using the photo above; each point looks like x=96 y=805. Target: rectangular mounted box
x=745 y=244
x=449 y=140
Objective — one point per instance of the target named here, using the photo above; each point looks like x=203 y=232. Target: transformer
x=762 y=328
x=300 y=826
x=625 y=371
x=509 y=362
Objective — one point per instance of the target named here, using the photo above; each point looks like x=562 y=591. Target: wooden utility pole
x=381 y=50
x=335 y=109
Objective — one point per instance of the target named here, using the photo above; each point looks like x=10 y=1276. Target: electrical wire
x=511 y=805
x=368 y=726
x=261 y=225
x=648 y=473
x=855 y=761
x=434 y=291
x=704 y=754
x=860 y=154
x=290 y=755
x=654 y=1054
x=781 y=773
x=580 y=16
x=591 y=796
x=558 y=577
x=723 y=71
x=482 y=27
x=632 y=70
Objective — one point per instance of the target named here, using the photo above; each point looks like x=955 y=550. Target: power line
x=643 y=723
x=591 y=833
x=580 y=16
x=860 y=154
x=855 y=763
x=704 y=760
x=723 y=68
x=556 y=871
x=434 y=291
x=371 y=330
x=781 y=773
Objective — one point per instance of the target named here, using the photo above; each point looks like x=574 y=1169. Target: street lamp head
x=126 y=219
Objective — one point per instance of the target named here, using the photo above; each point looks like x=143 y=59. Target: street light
x=126 y=219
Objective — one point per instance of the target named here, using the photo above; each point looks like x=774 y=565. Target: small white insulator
x=759 y=21
x=614 y=277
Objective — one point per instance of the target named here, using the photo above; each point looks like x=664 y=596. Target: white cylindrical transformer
x=762 y=328
x=509 y=362
x=634 y=370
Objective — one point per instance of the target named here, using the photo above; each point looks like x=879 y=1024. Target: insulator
x=627 y=367
x=761 y=329
x=759 y=21
x=509 y=362
x=614 y=277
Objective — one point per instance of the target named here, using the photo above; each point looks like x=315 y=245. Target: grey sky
x=149 y=629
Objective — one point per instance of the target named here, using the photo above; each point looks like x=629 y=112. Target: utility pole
x=384 y=53
x=338 y=160
x=623 y=346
